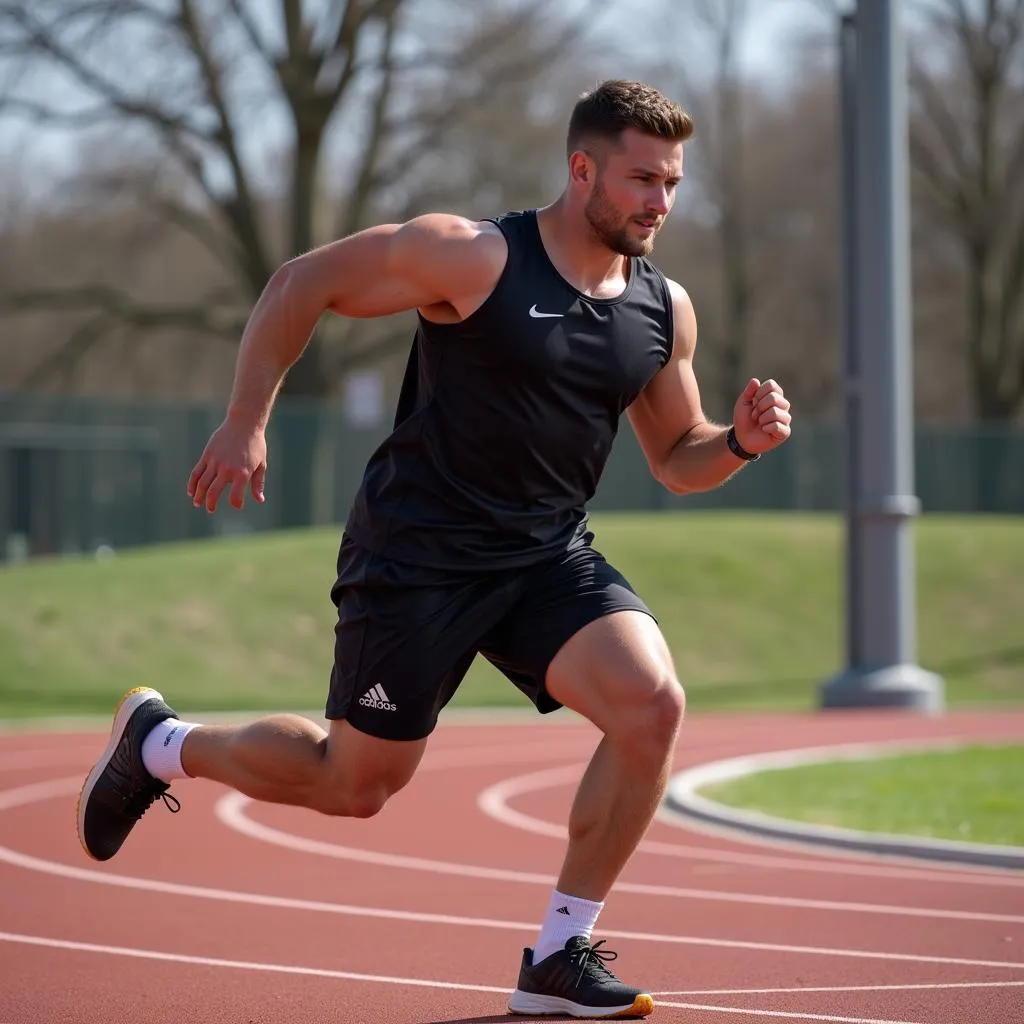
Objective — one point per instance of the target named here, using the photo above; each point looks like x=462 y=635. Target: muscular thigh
x=545 y=640
x=614 y=670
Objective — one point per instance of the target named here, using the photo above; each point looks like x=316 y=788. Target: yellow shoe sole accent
x=643 y=1006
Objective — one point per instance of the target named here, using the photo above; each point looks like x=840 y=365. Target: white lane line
x=840 y=988
x=246 y=965
x=37 y=792
x=380 y=913
x=494 y=802
x=231 y=811
x=824 y=861
x=63 y=787
x=784 y=1014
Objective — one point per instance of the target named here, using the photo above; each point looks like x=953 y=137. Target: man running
x=469 y=535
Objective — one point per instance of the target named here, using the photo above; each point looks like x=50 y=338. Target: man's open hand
x=235 y=457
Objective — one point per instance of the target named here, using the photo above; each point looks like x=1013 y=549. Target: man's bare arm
x=443 y=265
x=684 y=450
x=437 y=260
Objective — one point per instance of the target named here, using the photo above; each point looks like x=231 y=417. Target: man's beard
x=606 y=223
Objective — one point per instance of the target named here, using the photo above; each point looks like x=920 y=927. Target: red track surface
x=239 y=913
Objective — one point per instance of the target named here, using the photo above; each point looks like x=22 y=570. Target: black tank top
x=506 y=419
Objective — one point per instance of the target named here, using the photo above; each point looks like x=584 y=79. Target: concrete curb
x=683 y=799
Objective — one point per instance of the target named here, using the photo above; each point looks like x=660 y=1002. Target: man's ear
x=582 y=167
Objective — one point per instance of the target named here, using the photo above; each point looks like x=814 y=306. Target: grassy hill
x=751 y=606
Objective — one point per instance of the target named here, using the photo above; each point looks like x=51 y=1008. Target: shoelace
x=144 y=799
x=592 y=957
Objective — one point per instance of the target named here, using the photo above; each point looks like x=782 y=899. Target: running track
x=239 y=913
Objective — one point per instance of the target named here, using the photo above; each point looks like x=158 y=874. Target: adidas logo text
x=377 y=699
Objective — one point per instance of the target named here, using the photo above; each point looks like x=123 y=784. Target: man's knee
x=649 y=726
x=667 y=707
x=360 y=773
x=345 y=802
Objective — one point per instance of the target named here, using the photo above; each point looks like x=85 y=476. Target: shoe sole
x=529 y=1003
x=126 y=707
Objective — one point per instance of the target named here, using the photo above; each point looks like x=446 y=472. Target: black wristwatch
x=734 y=447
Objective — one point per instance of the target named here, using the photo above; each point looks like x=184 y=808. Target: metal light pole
x=880 y=590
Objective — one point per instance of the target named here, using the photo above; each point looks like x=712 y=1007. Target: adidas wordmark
x=376 y=698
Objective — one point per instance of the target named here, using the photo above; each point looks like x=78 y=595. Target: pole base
x=894 y=686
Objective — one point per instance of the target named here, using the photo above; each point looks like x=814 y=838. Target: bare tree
x=967 y=143
x=716 y=94
x=206 y=92
x=196 y=80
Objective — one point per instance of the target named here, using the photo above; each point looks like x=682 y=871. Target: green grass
x=973 y=794
x=751 y=606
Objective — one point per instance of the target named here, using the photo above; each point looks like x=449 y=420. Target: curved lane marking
x=824 y=861
x=494 y=802
x=230 y=810
x=64 y=787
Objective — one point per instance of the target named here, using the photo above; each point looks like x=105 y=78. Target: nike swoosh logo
x=537 y=316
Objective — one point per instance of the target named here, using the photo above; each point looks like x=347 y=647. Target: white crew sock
x=161 y=749
x=567 y=916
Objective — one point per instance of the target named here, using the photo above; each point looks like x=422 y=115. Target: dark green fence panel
x=77 y=474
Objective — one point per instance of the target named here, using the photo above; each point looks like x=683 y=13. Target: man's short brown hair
x=615 y=105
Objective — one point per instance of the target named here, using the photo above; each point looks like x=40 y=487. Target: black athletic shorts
x=406 y=636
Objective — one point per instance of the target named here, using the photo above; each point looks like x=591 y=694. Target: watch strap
x=737 y=449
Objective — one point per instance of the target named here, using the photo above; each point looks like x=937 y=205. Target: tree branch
x=116 y=304
x=42 y=41
x=176 y=133
x=66 y=357
x=346 y=40
x=39 y=113
x=429 y=127
x=197 y=226
x=242 y=14
x=934 y=107
x=354 y=208
x=945 y=191
x=241 y=209
x=291 y=11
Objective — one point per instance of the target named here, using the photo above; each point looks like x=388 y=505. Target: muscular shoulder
x=684 y=321
x=463 y=257
x=447 y=236
x=450 y=228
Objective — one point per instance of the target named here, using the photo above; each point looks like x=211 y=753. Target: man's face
x=633 y=192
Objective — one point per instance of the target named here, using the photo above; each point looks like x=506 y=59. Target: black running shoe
x=119 y=790
x=574 y=982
